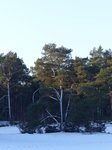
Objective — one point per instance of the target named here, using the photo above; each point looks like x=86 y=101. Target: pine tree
x=12 y=72
x=52 y=70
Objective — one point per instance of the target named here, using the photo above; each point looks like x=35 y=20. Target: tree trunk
x=33 y=100
x=111 y=102
x=9 y=103
x=66 y=114
x=61 y=111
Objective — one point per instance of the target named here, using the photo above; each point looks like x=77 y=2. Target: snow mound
x=109 y=128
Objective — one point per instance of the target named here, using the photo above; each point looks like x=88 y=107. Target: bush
x=24 y=128
x=52 y=128
x=69 y=127
x=90 y=127
x=95 y=127
x=34 y=113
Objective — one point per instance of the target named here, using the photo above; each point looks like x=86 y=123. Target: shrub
x=95 y=127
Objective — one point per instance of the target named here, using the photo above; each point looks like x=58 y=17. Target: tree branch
x=3 y=97
x=40 y=99
x=57 y=93
x=45 y=118
x=3 y=110
x=52 y=117
x=14 y=85
x=2 y=88
x=54 y=98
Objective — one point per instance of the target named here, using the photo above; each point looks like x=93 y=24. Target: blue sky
x=27 y=25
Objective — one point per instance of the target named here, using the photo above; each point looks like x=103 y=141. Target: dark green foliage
x=82 y=111
x=34 y=114
x=33 y=118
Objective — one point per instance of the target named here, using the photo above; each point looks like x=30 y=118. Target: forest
x=69 y=92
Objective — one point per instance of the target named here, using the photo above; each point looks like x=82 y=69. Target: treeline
x=60 y=89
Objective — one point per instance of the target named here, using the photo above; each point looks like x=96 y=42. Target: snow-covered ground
x=12 y=139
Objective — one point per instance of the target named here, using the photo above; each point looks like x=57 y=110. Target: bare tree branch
x=3 y=97
x=45 y=118
x=52 y=117
x=3 y=110
x=2 y=88
x=57 y=93
x=40 y=99
x=54 y=98
x=14 y=85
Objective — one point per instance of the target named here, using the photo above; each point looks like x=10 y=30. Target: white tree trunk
x=59 y=98
x=9 y=102
x=66 y=113
x=61 y=110
x=33 y=100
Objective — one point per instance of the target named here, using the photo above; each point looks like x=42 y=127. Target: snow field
x=12 y=139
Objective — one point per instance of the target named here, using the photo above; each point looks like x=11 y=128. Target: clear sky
x=27 y=25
